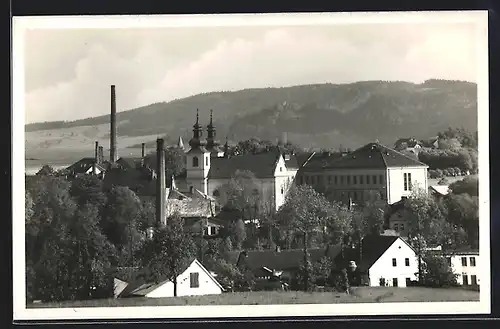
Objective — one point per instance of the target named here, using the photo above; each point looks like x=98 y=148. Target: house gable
x=397 y=264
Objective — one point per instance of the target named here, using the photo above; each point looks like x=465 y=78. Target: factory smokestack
x=143 y=150
x=100 y=156
x=160 y=181
x=96 y=152
x=112 y=150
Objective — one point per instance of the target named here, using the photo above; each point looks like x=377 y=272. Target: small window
x=473 y=280
x=341 y=180
x=381 y=282
x=464 y=261
x=329 y=179
x=405 y=181
x=282 y=190
x=368 y=179
x=408 y=282
x=206 y=161
x=374 y=179
x=472 y=261
x=395 y=282
x=396 y=227
x=381 y=179
x=401 y=227
x=194 y=280
x=306 y=179
x=335 y=180
x=409 y=181
x=465 y=279
x=281 y=168
x=394 y=263
x=195 y=162
x=355 y=195
x=355 y=180
x=449 y=260
x=407 y=262
x=361 y=179
x=348 y=180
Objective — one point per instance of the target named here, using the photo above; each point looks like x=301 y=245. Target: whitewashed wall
x=383 y=267
x=206 y=285
x=395 y=181
x=456 y=264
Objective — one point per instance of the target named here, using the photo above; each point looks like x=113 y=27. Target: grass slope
x=359 y=295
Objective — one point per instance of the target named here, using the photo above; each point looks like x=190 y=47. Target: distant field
x=63 y=146
x=358 y=295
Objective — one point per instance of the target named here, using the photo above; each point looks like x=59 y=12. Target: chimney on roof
x=160 y=181
x=112 y=151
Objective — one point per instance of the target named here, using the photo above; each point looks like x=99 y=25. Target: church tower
x=197 y=161
x=213 y=145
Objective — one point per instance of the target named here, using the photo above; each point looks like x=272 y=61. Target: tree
x=169 y=252
x=424 y=223
x=174 y=161
x=437 y=272
x=469 y=185
x=88 y=189
x=463 y=211
x=66 y=254
x=304 y=212
x=322 y=271
x=120 y=218
x=46 y=170
x=373 y=212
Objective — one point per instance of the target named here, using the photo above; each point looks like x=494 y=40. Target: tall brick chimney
x=113 y=156
x=143 y=150
x=160 y=181
x=96 y=152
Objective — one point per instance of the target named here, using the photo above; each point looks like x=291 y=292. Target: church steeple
x=196 y=141
x=212 y=144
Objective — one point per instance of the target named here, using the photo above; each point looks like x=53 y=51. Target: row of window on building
x=359 y=195
x=472 y=261
x=395 y=262
x=342 y=179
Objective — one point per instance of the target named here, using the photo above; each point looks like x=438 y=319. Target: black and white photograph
x=257 y=165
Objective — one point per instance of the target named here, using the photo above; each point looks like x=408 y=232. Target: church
x=209 y=166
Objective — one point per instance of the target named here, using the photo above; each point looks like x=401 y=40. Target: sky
x=68 y=71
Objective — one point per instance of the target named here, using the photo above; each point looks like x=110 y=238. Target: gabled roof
x=373 y=247
x=280 y=260
x=321 y=160
x=140 y=287
x=129 y=162
x=376 y=156
x=82 y=166
x=440 y=189
x=261 y=165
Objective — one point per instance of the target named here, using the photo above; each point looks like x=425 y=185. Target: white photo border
x=21 y=24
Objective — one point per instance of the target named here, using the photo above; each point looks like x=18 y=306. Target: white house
x=464 y=264
x=195 y=280
x=372 y=171
x=388 y=261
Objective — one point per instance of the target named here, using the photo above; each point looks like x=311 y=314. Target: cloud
x=149 y=72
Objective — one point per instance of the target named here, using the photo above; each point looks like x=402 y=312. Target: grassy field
x=358 y=295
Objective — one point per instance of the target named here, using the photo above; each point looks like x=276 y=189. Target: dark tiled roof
x=81 y=166
x=129 y=163
x=374 y=155
x=197 y=150
x=321 y=160
x=458 y=251
x=261 y=165
x=303 y=157
x=138 y=180
x=280 y=260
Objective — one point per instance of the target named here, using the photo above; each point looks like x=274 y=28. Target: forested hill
x=322 y=115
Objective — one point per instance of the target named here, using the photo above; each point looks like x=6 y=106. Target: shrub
x=437 y=273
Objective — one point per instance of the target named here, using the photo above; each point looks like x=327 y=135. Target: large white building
x=372 y=171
